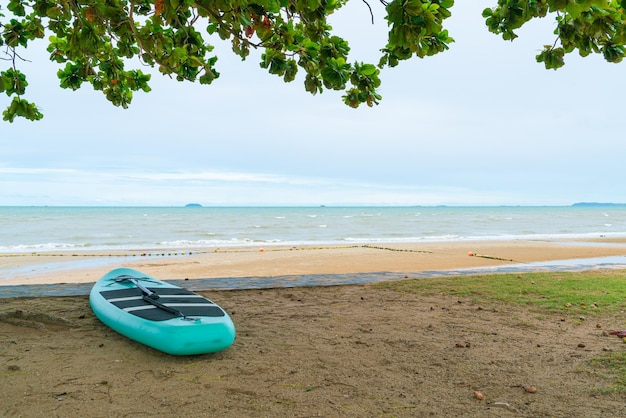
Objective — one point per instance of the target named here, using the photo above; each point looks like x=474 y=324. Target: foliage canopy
x=95 y=41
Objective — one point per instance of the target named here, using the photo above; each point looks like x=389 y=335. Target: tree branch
x=140 y=43
x=369 y=7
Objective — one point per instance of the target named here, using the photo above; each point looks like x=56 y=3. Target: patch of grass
x=593 y=292
x=613 y=367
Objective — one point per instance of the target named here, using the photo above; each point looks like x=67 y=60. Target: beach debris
x=620 y=334
x=491 y=257
x=531 y=389
x=479 y=395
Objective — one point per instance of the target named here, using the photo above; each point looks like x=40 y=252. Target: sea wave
x=49 y=229
x=206 y=244
x=47 y=247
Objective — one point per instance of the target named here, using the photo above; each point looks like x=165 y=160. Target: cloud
x=60 y=186
x=37 y=171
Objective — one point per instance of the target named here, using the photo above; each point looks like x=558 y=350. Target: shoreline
x=237 y=262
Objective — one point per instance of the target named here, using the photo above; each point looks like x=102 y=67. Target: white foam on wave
x=48 y=247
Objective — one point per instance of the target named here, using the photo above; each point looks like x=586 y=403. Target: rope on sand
x=336 y=247
x=395 y=249
x=156 y=254
x=243 y=250
x=473 y=254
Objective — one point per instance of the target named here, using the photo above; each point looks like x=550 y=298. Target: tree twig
x=142 y=47
x=370 y=7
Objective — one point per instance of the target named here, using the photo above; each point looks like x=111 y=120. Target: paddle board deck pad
x=160 y=315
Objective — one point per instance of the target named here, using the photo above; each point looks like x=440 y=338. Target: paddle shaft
x=147 y=292
x=164 y=307
x=151 y=297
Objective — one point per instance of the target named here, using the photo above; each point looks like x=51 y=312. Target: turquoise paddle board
x=160 y=315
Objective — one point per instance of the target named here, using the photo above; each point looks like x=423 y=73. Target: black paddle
x=141 y=287
x=148 y=295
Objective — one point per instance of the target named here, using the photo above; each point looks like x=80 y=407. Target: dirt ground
x=354 y=351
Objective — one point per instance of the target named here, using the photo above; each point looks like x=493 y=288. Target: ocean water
x=75 y=229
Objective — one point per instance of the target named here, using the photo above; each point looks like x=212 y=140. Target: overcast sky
x=481 y=124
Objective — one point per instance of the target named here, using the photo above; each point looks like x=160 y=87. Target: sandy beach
x=85 y=267
x=356 y=350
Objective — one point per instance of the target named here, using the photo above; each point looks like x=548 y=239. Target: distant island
x=593 y=204
x=193 y=205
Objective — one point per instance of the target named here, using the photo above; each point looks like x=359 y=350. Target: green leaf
x=552 y=57
x=71 y=76
x=576 y=7
x=369 y=70
x=613 y=53
x=17 y=7
x=290 y=71
x=212 y=28
x=13 y=82
x=22 y=108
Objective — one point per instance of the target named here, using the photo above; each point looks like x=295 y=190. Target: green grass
x=612 y=367
x=554 y=292
x=590 y=293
